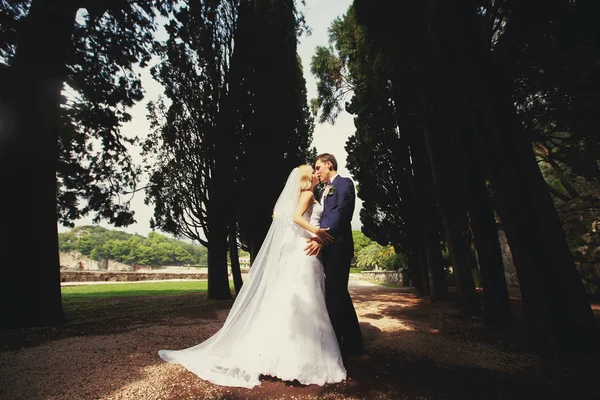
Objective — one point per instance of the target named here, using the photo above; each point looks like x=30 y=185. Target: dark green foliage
x=225 y=103
x=186 y=138
x=360 y=242
x=274 y=124
x=557 y=79
x=95 y=172
x=395 y=261
x=374 y=255
x=477 y=83
x=371 y=256
x=337 y=67
x=377 y=152
x=234 y=109
x=551 y=60
x=154 y=250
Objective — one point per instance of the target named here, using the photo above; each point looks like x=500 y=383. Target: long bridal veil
x=232 y=356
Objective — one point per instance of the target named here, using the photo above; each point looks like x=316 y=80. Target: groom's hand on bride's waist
x=324 y=236
x=313 y=246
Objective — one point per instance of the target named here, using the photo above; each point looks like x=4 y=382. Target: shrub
x=395 y=262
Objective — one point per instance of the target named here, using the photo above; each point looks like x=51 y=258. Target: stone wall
x=73 y=259
x=125 y=276
x=581 y=222
x=393 y=277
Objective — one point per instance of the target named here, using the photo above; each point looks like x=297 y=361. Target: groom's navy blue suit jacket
x=339 y=208
x=337 y=215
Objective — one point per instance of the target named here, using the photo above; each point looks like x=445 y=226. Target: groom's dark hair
x=326 y=157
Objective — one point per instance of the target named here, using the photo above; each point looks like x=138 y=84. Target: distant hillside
x=155 y=250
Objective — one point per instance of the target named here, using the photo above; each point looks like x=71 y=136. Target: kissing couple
x=293 y=318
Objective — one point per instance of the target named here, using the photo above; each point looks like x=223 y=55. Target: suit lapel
x=327 y=198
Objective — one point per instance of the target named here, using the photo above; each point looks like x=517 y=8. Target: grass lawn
x=71 y=294
x=123 y=300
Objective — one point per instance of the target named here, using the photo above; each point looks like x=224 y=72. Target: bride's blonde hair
x=306 y=173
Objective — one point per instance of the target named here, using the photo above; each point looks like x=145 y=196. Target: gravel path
x=414 y=350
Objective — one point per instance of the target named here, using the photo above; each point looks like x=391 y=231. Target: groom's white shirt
x=332 y=179
x=323 y=194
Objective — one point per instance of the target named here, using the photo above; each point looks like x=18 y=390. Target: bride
x=278 y=324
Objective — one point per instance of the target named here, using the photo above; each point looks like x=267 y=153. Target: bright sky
x=327 y=138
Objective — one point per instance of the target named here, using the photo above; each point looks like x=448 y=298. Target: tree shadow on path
x=414 y=350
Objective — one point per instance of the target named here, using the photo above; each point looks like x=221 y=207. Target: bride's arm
x=306 y=198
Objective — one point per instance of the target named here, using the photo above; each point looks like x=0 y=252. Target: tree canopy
x=95 y=173
x=453 y=102
x=155 y=250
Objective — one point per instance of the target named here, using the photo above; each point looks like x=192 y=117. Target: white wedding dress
x=278 y=324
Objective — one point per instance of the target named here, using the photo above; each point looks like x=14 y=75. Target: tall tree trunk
x=425 y=197
x=218 y=282
x=414 y=264
x=253 y=252
x=437 y=276
x=473 y=262
x=423 y=270
x=556 y=306
x=236 y=273
x=496 y=306
x=434 y=97
x=218 y=279
x=31 y=95
x=559 y=312
x=228 y=142
x=452 y=209
x=218 y=214
x=426 y=220
x=219 y=209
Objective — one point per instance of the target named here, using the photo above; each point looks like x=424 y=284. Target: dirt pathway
x=414 y=350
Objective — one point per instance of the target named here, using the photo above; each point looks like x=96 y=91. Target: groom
x=338 y=207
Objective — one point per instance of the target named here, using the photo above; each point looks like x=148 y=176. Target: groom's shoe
x=349 y=350
x=356 y=352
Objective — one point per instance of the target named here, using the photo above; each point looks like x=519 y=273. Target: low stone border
x=394 y=277
x=125 y=276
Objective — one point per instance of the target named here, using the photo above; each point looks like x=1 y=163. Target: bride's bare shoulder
x=306 y=197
